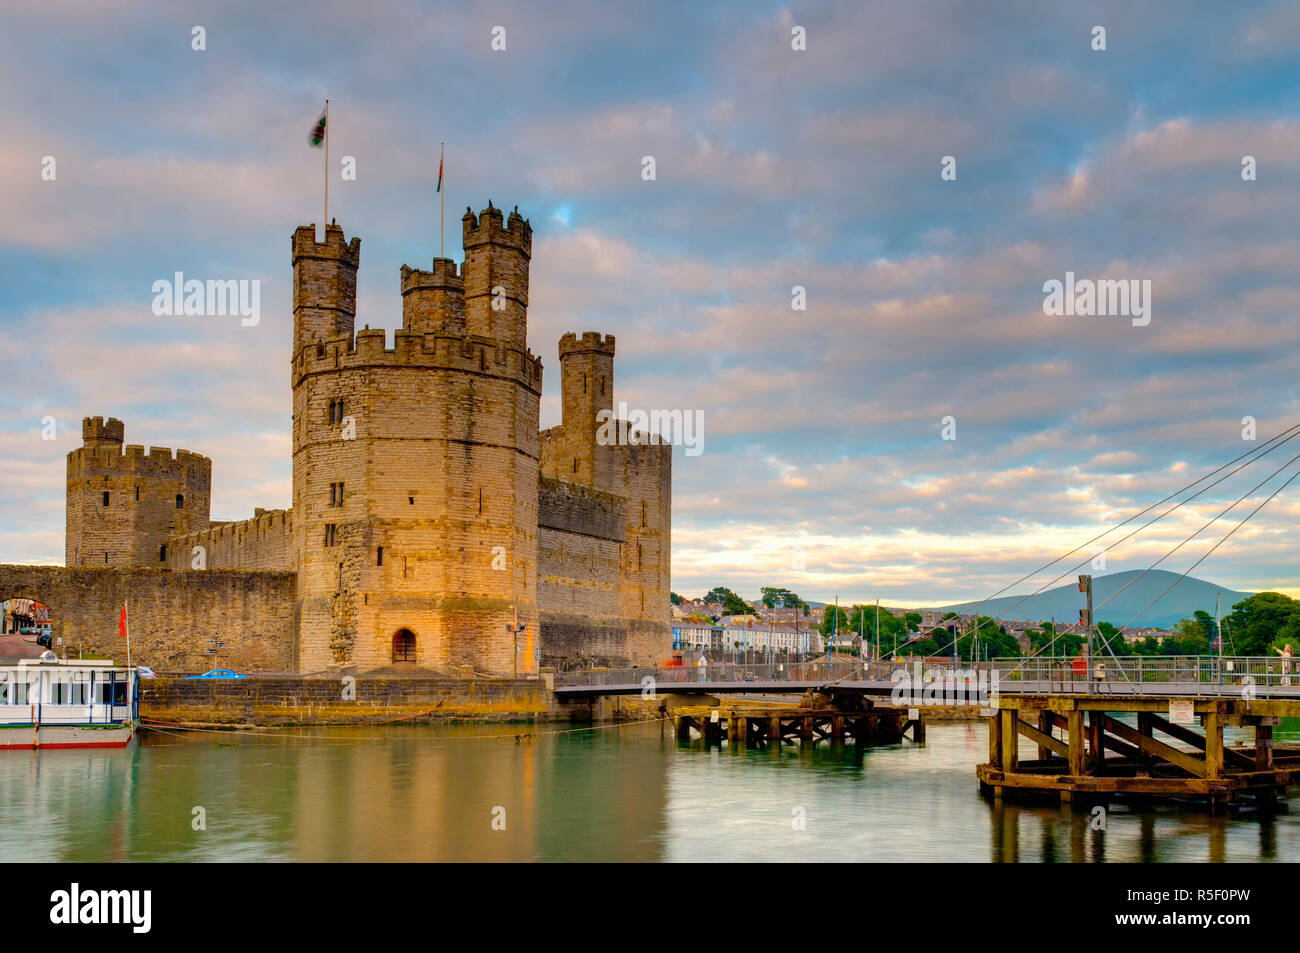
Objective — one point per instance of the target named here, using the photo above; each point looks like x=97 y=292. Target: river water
x=628 y=793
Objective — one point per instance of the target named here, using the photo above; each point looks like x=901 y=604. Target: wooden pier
x=758 y=726
x=1097 y=757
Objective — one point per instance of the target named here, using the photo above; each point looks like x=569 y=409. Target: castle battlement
x=446 y=274
x=591 y=341
x=133 y=459
x=334 y=248
x=487 y=229
x=97 y=430
x=436 y=350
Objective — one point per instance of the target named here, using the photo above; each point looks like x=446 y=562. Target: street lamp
x=516 y=628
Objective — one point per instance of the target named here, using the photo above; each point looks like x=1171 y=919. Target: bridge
x=1154 y=676
x=1076 y=715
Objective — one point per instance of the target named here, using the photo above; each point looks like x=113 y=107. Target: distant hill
x=1064 y=602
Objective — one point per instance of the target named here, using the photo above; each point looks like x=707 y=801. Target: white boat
x=49 y=702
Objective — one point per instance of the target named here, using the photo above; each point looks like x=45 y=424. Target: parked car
x=218 y=673
x=144 y=671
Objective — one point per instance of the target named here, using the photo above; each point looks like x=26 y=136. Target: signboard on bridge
x=1182 y=713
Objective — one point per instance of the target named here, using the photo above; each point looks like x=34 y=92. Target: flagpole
x=326 y=223
x=442 y=211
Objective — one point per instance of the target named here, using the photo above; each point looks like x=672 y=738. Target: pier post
x=806 y=729
x=1213 y=745
x=1096 y=749
x=1010 y=739
x=995 y=740
x=837 y=728
x=1263 y=747
x=735 y=736
x=774 y=728
x=1074 y=728
x=683 y=726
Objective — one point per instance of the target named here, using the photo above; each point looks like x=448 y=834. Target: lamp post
x=516 y=628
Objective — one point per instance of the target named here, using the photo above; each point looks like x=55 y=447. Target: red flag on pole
x=121 y=622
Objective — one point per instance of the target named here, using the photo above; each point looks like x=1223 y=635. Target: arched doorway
x=404 y=646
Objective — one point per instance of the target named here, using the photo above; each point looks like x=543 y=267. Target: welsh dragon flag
x=317 y=137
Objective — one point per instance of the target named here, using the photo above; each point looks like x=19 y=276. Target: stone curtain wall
x=172 y=614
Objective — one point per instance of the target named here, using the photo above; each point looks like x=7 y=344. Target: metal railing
x=1197 y=674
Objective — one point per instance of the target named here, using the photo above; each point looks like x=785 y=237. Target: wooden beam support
x=1193 y=766
x=995 y=740
x=1046 y=743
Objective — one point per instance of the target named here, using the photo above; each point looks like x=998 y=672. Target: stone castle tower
x=432 y=525
x=123 y=504
x=415 y=468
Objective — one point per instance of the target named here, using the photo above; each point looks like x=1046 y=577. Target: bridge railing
x=738 y=672
x=1197 y=673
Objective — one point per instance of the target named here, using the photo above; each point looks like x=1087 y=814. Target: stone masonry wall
x=172 y=615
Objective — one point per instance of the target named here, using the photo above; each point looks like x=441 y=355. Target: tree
x=676 y=599
x=1262 y=621
x=775 y=598
x=829 y=624
x=732 y=604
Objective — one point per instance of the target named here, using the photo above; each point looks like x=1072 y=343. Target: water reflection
x=420 y=794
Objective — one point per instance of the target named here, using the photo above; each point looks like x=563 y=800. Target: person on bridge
x=1285 y=652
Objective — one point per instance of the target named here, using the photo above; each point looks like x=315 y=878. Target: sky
x=824 y=466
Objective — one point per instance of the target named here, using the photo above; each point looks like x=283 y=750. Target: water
x=614 y=794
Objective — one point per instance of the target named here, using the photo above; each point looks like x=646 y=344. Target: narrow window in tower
x=137 y=494
x=340 y=577
x=643 y=512
x=584 y=383
x=482 y=359
x=379 y=556
x=329 y=534
x=638 y=556
x=480 y=501
x=403 y=567
x=575 y=470
x=602 y=387
x=162 y=553
x=105 y=558
x=340 y=489
x=106 y=497
x=180 y=501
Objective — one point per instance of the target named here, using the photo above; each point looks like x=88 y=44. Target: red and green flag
x=317 y=137
x=440 y=158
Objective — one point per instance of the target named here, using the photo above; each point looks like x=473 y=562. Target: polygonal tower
x=123 y=504
x=415 y=466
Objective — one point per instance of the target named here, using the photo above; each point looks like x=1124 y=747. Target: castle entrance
x=404 y=646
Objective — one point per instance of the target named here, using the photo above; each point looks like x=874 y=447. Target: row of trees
x=772 y=597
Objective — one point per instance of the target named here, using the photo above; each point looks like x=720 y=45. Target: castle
x=432 y=524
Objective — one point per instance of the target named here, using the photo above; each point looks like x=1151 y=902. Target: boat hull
x=15 y=737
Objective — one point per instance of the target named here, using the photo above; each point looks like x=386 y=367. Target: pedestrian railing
x=1182 y=673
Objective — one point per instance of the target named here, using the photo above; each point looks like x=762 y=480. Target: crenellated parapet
x=436 y=350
